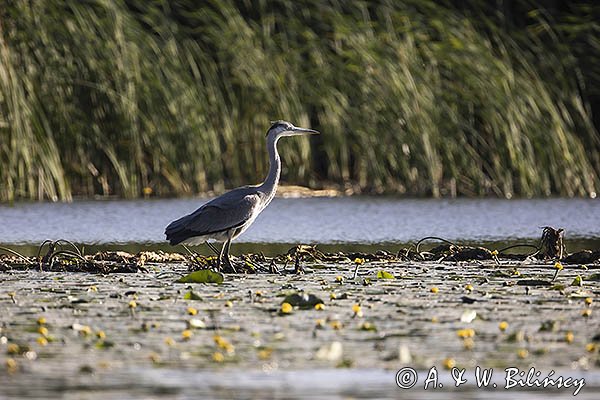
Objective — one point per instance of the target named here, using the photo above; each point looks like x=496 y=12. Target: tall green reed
x=111 y=97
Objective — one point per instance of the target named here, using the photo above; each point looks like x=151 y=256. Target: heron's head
x=284 y=128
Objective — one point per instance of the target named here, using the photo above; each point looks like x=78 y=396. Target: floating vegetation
x=583 y=257
x=302 y=300
x=71 y=323
x=202 y=276
x=191 y=295
x=62 y=255
x=384 y=275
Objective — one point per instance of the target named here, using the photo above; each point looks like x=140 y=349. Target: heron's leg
x=212 y=247
x=193 y=255
x=220 y=258
x=227 y=260
x=189 y=251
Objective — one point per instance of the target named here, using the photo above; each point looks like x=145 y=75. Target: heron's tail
x=177 y=231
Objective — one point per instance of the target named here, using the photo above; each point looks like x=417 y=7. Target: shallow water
x=405 y=311
x=414 y=327
x=143 y=383
x=317 y=220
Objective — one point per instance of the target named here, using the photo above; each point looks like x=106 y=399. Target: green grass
x=109 y=97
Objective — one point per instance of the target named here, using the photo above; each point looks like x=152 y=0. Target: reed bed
x=133 y=98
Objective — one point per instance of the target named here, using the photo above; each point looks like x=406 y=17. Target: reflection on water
x=320 y=220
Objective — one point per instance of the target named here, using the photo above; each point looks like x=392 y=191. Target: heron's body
x=240 y=207
x=229 y=215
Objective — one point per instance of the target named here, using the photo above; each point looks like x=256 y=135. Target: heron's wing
x=223 y=214
x=228 y=211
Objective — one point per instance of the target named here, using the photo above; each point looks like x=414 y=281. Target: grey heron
x=229 y=215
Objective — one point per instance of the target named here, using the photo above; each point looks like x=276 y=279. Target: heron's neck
x=270 y=184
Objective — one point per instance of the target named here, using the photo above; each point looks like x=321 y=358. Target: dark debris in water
x=62 y=255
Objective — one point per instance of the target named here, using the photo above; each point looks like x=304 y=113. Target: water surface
x=308 y=220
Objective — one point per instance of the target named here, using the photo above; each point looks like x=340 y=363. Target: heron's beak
x=305 y=131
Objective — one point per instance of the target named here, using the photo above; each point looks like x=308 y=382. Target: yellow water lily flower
x=586 y=313
x=286 y=308
x=85 y=330
x=569 y=337
x=522 y=353
x=465 y=333
x=11 y=365
x=468 y=343
x=13 y=348
x=192 y=311
x=591 y=347
x=558 y=266
x=449 y=363
x=265 y=354
x=337 y=325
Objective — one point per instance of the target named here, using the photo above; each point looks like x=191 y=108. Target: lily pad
x=191 y=295
x=302 y=300
x=368 y=326
x=593 y=277
x=549 y=326
x=385 y=275
x=78 y=300
x=534 y=282
x=104 y=344
x=202 y=276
